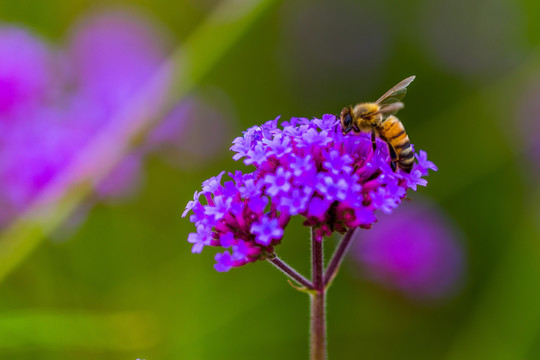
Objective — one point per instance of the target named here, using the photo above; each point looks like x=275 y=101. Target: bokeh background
x=94 y=262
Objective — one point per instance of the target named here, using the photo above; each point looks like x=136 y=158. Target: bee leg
x=394 y=157
x=373 y=140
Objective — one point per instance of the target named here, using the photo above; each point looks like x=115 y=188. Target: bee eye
x=347 y=120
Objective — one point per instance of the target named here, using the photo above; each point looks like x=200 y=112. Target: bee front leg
x=373 y=140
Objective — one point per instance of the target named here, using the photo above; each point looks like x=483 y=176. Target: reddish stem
x=337 y=257
x=318 y=299
x=290 y=272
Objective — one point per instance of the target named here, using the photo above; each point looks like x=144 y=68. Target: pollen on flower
x=306 y=168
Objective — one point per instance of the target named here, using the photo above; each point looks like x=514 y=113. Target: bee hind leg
x=394 y=157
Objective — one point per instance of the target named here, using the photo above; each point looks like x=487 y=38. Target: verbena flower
x=415 y=251
x=305 y=167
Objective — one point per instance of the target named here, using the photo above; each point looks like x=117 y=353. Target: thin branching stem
x=290 y=272
x=337 y=257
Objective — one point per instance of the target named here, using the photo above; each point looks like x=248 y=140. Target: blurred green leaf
x=507 y=317
x=76 y=330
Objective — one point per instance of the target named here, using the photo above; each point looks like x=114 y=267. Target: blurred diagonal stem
x=179 y=75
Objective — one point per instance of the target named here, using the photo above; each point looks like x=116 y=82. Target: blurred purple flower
x=415 y=251
x=336 y=191
x=26 y=71
x=43 y=130
x=114 y=54
x=32 y=154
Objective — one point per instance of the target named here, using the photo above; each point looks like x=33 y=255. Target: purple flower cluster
x=307 y=167
x=112 y=55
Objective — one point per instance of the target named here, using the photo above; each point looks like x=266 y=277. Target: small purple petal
x=212 y=185
x=258 y=204
x=301 y=165
x=200 y=239
x=241 y=251
x=226 y=240
x=279 y=182
x=192 y=203
x=338 y=163
x=266 y=230
x=318 y=207
x=296 y=202
x=224 y=262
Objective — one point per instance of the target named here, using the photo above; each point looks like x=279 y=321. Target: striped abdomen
x=393 y=132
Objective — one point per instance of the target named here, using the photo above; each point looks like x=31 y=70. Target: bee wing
x=391 y=109
x=396 y=93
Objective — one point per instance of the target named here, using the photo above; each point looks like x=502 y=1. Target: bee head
x=346 y=120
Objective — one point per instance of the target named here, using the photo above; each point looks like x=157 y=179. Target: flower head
x=307 y=167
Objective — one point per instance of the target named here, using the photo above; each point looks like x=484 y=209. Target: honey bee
x=378 y=118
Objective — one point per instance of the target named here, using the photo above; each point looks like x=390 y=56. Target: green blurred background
x=124 y=285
